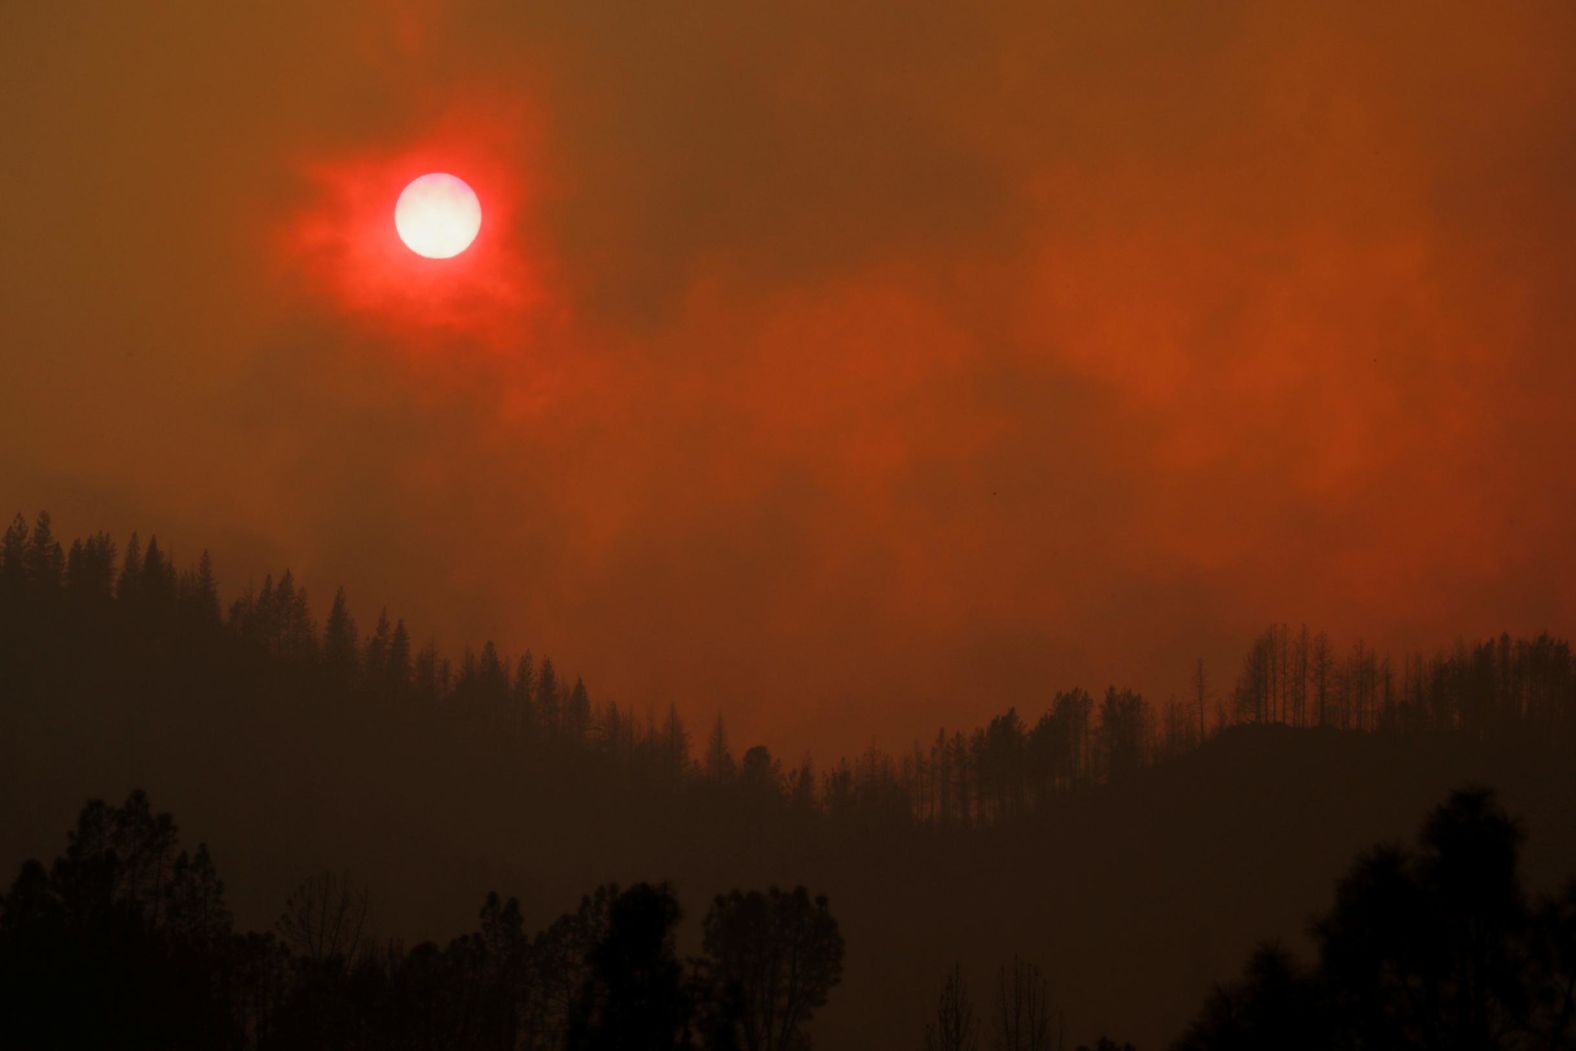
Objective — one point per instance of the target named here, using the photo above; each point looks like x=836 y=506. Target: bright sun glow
x=438 y=215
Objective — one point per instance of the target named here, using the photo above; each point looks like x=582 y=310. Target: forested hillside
x=1133 y=850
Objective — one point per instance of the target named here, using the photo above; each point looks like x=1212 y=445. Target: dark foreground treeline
x=1438 y=947
x=90 y=617
x=126 y=941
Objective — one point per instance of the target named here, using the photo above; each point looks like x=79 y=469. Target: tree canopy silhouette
x=782 y=953
x=1431 y=947
x=125 y=941
x=634 y=997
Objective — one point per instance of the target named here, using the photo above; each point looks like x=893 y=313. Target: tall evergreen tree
x=397 y=670
x=45 y=560
x=577 y=712
x=340 y=653
x=13 y=555
x=549 y=703
x=719 y=760
x=128 y=587
x=523 y=695
x=158 y=576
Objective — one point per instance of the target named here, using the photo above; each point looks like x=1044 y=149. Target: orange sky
x=847 y=368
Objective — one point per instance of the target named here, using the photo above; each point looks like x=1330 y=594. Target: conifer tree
x=13 y=555
x=127 y=588
x=340 y=653
x=577 y=712
x=719 y=760
x=523 y=694
x=548 y=704
x=45 y=560
x=397 y=671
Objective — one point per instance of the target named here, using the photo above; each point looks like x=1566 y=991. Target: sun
x=438 y=215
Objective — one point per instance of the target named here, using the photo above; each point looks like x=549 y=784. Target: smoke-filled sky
x=848 y=368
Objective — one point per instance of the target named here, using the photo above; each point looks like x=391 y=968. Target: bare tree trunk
x=955 y=1027
x=1023 y=1011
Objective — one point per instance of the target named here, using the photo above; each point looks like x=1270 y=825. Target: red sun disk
x=345 y=248
x=438 y=215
